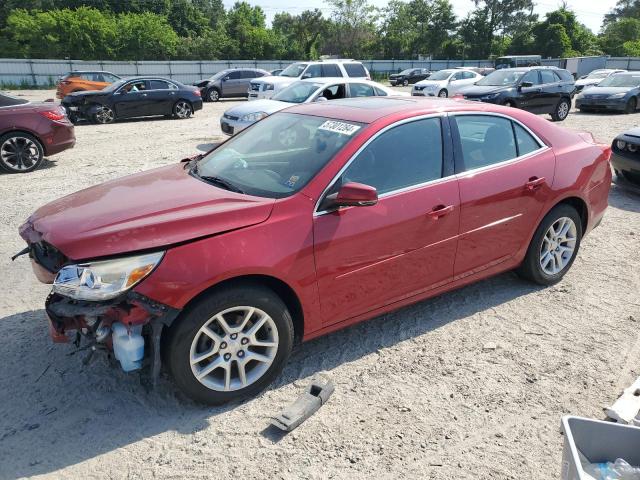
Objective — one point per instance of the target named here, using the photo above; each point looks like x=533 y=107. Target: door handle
x=440 y=211
x=535 y=183
x=144 y=94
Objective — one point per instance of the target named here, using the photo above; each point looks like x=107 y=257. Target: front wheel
x=443 y=93
x=561 y=111
x=405 y=83
x=213 y=95
x=554 y=246
x=182 y=109
x=230 y=345
x=104 y=115
x=631 y=106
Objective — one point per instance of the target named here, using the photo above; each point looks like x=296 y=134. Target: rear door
x=162 y=97
x=551 y=90
x=368 y=257
x=361 y=90
x=504 y=173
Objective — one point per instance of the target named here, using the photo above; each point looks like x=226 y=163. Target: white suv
x=267 y=87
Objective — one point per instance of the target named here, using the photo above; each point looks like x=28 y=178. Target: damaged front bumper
x=92 y=321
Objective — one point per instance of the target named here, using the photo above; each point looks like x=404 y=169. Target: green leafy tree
x=623 y=9
x=352 y=31
x=616 y=34
x=302 y=33
x=145 y=36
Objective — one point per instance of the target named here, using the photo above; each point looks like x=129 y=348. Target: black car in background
x=625 y=155
x=134 y=97
x=409 y=76
x=229 y=83
x=534 y=89
x=618 y=92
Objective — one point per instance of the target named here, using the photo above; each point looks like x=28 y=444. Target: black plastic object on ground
x=306 y=405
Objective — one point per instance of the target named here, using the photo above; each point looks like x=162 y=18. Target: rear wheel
x=230 y=345
x=631 y=105
x=561 y=111
x=554 y=246
x=182 y=109
x=443 y=93
x=20 y=152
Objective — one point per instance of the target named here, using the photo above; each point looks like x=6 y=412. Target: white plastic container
x=128 y=346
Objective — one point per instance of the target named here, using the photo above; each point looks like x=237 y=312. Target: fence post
x=170 y=72
x=200 y=65
x=628 y=63
x=33 y=75
x=137 y=70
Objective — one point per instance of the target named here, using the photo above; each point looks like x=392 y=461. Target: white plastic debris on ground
x=627 y=408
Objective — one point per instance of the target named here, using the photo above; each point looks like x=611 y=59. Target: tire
x=443 y=93
x=405 y=82
x=585 y=110
x=510 y=103
x=182 y=109
x=186 y=343
x=532 y=267
x=104 y=115
x=631 y=177
x=631 y=105
x=561 y=111
x=213 y=95
x=14 y=158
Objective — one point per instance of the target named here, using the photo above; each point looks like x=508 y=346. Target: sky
x=590 y=12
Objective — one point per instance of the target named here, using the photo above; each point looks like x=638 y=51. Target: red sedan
x=29 y=131
x=313 y=219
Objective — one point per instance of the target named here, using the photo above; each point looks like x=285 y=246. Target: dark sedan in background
x=134 y=97
x=29 y=131
x=625 y=155
x=534 y=89
x=409 y=76
x=233 y=82
x=619 y=92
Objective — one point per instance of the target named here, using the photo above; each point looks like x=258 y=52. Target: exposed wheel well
x=581 y=208
x=280 y=288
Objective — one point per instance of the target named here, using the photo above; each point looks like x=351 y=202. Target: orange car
x=80 y=81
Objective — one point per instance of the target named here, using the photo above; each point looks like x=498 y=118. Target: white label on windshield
x=339 y=127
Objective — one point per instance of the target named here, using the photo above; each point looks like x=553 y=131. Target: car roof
x=328 y=80
x=90 y=71
x=371 y=109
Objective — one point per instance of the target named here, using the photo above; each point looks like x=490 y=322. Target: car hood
x=426 y=83
x=276 y=80
x=201 y=83
x=86 y=93
x=607 y=90
x=484 y=89
x=148 y=210
x=588 y=81
x=634 y=132
x=266 y=106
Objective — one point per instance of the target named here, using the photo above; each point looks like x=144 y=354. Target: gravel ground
x=420 y=393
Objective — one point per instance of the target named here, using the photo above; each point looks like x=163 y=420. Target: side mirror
x=354 y=194
x=225 y=79
x=306 y=75
x=320 y=99
x=526 y=85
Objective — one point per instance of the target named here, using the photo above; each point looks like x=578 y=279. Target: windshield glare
x=441 y=75
x=629 y=81
x=114 y=86
x=597 y=75
x=500 y=78
x=278 y=155
x=406 y=72
x=218 y=75
x=298 y=92
x=293 y=70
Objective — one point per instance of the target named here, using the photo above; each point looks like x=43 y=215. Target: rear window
x=355 y=69
x=7 y=100
x=564 y=75
x=331 y=70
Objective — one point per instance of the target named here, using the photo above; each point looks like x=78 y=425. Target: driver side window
x=532 y=77
x=406 y=155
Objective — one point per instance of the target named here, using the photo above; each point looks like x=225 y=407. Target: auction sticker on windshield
x=339 y=127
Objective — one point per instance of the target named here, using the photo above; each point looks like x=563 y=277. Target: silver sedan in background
x=310 y=90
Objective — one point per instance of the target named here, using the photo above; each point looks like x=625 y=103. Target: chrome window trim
x=543 y=147
x=440 y=115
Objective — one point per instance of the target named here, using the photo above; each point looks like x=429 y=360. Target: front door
x=505 y=175
x=368 y=257
x=551 y=90
x=531 y=95
x=133 y=100
x=233 y=85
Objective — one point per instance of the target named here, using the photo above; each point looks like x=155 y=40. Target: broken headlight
x=106 y=279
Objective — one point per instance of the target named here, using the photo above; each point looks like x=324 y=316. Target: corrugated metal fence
x=46 y=72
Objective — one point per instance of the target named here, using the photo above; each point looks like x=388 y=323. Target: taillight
x=197 y=92
x=55 y=115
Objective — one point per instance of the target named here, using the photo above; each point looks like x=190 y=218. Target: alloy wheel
x=214 y=96
x=104 y=115
x=183 y=109
x=19 y=154
x=558 y=246
x=442 y=94
x=234 y=348
x=563 y=110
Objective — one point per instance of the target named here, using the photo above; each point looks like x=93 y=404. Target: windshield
x=406 y=72
x=501 y=78
x=277 y=156
x=293 y=70
x=298 y=92
x=218 y=75
x=620 y=81
x=114 y=86
x=597 y=74
x=441 y=75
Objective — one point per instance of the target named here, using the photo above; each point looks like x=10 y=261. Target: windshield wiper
x=221 y=182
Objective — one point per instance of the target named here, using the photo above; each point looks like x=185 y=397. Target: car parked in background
x=618 y=92
x=31 y=131
x=269 y=86
x=229 y=83
x=82 y=81
x=445 y=83
x=409 y=76
x=276 y=72
x=515 y=61
x=310 y=90
x=220 y=264
x=594 y=78
x=534 y=89
x=625 y=157
x=134 y=97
